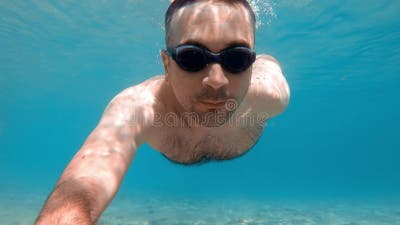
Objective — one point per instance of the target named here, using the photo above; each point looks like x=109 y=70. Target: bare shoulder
x=269 y=87
x=142 y=91
x=266 y=67
x=134 y=106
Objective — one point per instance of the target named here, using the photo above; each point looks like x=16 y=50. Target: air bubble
x=264 y=11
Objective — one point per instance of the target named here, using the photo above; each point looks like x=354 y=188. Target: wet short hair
x=178 y=4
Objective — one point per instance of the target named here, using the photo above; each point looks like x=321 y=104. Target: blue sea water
x=331 y=158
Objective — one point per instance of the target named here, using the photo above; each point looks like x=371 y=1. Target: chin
x=207 y=116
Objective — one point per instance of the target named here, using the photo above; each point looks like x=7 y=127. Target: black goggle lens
x=193 y=58
x=237 y=60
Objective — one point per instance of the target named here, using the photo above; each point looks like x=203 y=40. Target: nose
x=216 y=77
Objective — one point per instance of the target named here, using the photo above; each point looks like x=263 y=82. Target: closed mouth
x=213 y=103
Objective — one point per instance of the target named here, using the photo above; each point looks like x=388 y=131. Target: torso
x=187 y=145
x=226 y=142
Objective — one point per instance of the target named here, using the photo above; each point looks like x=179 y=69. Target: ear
x=166 y=62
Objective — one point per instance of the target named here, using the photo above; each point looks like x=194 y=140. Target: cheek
x=184 y=87
x=240 y=85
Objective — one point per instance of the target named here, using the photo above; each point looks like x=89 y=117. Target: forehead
x=215 y=25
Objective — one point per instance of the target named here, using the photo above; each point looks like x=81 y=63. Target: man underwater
x=212 y=103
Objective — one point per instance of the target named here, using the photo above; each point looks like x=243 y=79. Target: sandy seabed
x=151 y=210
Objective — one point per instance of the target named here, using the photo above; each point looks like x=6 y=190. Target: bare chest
x=227 y=142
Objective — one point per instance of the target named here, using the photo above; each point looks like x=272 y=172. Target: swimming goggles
x=194 y=58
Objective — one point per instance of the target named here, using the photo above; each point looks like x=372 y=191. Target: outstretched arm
x=94 y=175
